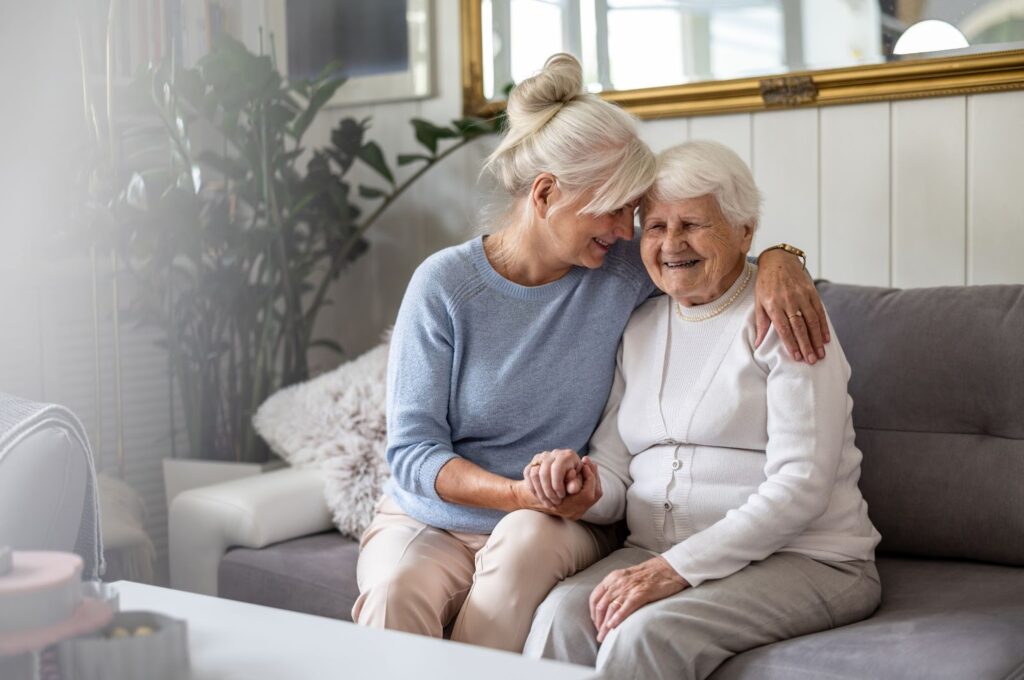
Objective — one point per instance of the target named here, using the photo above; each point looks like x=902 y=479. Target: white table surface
x=229 y=640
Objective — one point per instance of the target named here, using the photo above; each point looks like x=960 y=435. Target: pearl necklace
x=721 y=308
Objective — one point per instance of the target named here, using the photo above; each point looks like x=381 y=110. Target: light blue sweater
x=494 y=372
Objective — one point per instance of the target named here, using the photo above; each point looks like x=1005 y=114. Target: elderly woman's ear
x=748 y=236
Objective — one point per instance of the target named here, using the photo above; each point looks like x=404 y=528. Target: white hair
x=588 y=144
x=700 y=168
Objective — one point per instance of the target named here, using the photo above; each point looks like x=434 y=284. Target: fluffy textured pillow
x=336 y=422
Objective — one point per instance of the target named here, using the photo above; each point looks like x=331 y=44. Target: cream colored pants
x=417 y=578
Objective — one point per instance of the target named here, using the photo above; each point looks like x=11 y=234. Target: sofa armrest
x=252 y=512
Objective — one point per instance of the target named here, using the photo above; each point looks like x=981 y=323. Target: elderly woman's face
x=691 y=252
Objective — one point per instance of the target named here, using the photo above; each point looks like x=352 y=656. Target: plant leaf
x=371 y=192
x=321 y=95
x=371 y=154
x=330 y=70
x=232 y=167
x=189 y=85
x=347 y=140
x=427 y=133
x=407 y=158
x=471 y=128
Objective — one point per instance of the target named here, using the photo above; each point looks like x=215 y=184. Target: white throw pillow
x=336 y=422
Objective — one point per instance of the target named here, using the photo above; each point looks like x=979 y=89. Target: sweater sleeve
x=418 y=386
x=807 y=415
x=612 y=457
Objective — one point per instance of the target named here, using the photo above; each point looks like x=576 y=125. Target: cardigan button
x=676 y=464
x=667 y=505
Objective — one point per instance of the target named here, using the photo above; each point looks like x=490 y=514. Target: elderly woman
x=735 y=467
x=502 y=358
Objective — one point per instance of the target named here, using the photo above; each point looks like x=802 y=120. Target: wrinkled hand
x=572 y=506
x=553 y=475
x=787 y=299
x=624 y=591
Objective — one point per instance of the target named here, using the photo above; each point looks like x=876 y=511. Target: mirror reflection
x=631 y=44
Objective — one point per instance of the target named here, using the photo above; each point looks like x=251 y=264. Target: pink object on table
x=40 y=570
x=41 y=602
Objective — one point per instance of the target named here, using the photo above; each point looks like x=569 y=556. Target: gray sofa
x=938 y=390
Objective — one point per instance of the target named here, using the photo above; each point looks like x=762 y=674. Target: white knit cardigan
x=723 y=466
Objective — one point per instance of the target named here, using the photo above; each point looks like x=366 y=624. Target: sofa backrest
x=938 y=405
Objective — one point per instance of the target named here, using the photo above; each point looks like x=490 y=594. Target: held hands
x=787 y=299
x=553 y=475
x=624 y=591
x=559 y=483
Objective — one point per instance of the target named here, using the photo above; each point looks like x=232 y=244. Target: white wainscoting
x=915 y=193
x=855 y=194
x=995 y=188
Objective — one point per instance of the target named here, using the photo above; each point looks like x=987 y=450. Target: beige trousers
x=688 y=635
x=417 y=578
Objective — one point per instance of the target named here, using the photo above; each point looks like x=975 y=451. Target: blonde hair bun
x=557 y=84
x=587 y=143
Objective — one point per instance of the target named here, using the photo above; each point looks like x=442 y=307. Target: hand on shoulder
x=787 y=300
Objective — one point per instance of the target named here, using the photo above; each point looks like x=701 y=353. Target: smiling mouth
x=681 y=264
x=604 y=244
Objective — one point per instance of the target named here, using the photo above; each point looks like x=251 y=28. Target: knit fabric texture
x=493 y=372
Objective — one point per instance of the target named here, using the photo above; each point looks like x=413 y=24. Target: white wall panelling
x=995 y=203
x=733 y=130
x=665 y=133
x=929 y=194
x=854 y=196
x=785 y=152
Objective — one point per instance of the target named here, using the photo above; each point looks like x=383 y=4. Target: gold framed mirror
x=992 y=61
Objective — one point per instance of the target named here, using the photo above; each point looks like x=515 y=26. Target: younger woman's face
x=583 y=240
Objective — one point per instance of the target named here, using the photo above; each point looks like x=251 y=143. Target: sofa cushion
x=937 y=620
x=949 y=358
x=336 y=423
x=938 y=392
x=945 y=495
x=314 y=574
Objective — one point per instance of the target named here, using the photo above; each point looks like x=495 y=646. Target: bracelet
x=793 y=250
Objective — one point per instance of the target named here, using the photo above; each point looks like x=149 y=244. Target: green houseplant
x=232 y=231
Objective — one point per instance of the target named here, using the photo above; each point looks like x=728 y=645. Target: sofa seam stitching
x=860 y=428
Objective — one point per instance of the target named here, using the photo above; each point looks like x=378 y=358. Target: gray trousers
x=688 y=635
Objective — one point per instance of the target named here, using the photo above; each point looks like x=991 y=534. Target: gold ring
x=616 y=603
x=796 y=313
